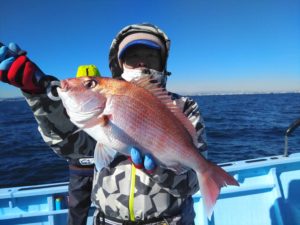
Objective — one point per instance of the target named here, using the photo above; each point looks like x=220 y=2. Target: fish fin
x=103 y=156
x=101 y=120
x=150 y=84
x=210 y=183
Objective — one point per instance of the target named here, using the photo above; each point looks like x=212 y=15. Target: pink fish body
x=120 y=115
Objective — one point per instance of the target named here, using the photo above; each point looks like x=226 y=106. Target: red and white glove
x=16 y=69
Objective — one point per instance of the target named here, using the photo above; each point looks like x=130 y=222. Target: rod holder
x=288 y=132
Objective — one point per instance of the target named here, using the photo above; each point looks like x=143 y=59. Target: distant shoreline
x=197 y=94
x=237 y=93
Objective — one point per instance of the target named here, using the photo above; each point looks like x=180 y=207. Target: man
x=121 y=193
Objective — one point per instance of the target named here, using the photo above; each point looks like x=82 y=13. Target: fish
x=120 y=115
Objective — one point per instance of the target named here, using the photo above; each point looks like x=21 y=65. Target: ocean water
x=238 y=127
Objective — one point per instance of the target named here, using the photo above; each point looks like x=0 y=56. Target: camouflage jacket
x=57 y=130
x=121 y=191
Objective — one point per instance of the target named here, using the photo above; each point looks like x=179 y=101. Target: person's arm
x=54 y=125
x=191 y=109
x=57 y=130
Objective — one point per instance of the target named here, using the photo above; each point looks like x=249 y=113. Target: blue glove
x=8 y=55
x=147 y=163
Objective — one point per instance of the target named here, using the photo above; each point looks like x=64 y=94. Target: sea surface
x=238 y=127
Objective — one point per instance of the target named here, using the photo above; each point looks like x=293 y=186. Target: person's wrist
x=34 y=87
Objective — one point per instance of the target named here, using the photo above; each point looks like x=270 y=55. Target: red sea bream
x=120 y=114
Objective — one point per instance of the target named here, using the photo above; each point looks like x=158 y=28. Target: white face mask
x=135 y=74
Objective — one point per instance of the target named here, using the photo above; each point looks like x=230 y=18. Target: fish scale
x=152 y=127
x=133 y=118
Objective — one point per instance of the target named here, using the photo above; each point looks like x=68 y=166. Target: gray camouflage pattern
x=57 y=130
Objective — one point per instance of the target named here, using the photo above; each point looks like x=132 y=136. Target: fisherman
x=121 y=193
x=151 y=194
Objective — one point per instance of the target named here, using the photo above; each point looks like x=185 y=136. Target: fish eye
x=90 y=84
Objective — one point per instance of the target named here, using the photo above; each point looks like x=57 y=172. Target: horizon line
x=208 y=93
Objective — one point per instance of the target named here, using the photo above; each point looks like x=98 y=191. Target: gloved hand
x=17 y=70
x=139 y=162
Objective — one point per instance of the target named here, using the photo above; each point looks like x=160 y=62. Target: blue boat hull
x=269 y=194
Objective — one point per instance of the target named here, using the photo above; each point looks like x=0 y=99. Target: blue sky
x=217 y=45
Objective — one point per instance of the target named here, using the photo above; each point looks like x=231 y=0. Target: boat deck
x=269 y=194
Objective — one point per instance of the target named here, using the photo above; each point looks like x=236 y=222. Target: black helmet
x=131 y=32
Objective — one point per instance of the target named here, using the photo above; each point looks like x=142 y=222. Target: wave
x=17 y=99
x=238 y=127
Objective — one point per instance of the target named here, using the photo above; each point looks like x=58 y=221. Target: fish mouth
x=62 y=92
x=63 y=86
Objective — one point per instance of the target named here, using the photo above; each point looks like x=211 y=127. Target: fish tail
x=210 y=182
